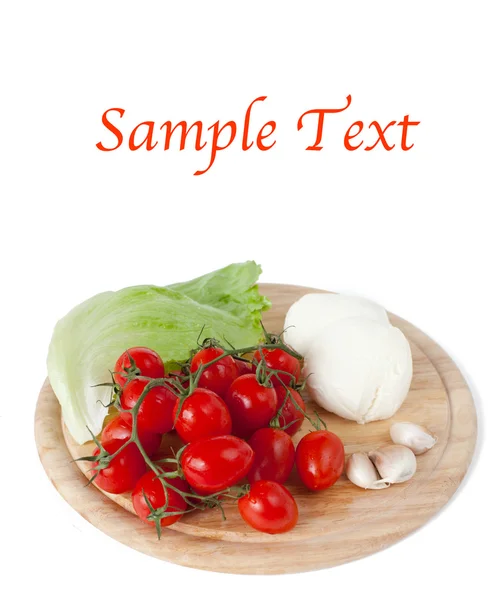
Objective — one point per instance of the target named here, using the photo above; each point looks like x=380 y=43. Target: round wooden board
x=335 y=526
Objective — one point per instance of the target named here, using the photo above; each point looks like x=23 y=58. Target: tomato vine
x=175 y=385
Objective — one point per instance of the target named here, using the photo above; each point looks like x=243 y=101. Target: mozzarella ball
x=307 y=317
x=359 y=369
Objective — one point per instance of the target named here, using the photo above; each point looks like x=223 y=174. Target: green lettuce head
x=86 y=343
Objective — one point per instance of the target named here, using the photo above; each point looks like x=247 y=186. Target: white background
x=413 y=230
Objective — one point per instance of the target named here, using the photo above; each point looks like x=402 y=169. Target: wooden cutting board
x=335 y=526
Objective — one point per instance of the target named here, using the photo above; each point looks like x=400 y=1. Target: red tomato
x=151 y=487
x=274 y=455
x=244 y=368
x=148 y=364
x=118 y=431
x=269 y=507
x=320 y=459
x=251 y=404
x=181 y=485
x=282 y=361
x=203 y=414
x=123 y=471
x=156 y=411
x=219 y=376
x=290 y=413
x=216 y=463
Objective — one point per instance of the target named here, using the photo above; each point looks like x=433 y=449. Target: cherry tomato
x=123 y=471
x=269 y=507
x=203 y=414
x=148 y=363
x=320 y=459
x=251 y=404
x=219 y=376
x=290 y=413
x=156 y=411
x=151 y=487
x=274 y=455
x=244 y=368
x=118 y=431
x=282 y=361
x=213 y=464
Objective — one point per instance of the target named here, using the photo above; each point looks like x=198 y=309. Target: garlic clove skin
x=361 y=472
x=395 y=463
x=416 y=437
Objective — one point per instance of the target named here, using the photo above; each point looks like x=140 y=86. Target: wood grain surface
x=335 y=526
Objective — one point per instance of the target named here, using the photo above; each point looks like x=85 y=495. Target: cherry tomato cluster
x=235 y=410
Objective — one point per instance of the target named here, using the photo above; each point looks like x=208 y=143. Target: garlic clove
x=361 y=472
x=395 y=463
x=416 y=437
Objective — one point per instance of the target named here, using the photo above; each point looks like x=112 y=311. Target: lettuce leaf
x=88 y=340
